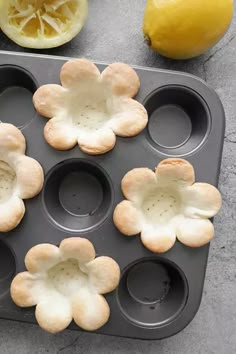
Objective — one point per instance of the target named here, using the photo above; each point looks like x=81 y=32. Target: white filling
x=36 y=18
x=7 y=181
x=67 y=278
x=160 y=206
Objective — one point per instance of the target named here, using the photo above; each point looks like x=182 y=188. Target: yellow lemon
x=42 y=23
x=182 y=29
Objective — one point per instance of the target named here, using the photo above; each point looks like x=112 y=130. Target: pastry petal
x=193 y=232
x=175 y=170
x=22 y=290
x=11 y=139
x=127 y=218
x=42 y=257
x=59 y=134
x=136 y=182
x=97 y=142
x=49 y=99
x=11 y=213
x=54 y=314
x=201 y=200
x=78 y=70
x=158 y=239
x=90 y=310
x=30 y=177
x=78 y=248
x=129 y=118
x=104 y=274
x=122 y=78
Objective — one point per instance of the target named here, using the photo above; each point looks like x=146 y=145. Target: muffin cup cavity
x=179 y=120
x=152 y=292
x=17 y=87
x=7 y=267
x=77 y=195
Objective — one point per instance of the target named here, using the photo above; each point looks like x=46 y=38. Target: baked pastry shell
x=21 y=177
x=166 y=205
x=65 y=283
x=90 y=108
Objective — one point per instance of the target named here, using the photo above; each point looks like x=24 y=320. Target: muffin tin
x=158 y=295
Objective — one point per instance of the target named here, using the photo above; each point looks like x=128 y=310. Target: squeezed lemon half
x=42 y=23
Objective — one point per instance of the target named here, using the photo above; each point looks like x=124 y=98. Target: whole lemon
x=183 y=29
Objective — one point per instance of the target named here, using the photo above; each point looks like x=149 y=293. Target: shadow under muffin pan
x=158 y=295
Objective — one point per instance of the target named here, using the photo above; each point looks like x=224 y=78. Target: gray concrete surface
x=113 y=32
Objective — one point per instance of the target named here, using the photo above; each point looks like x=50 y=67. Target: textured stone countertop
x=113 y=33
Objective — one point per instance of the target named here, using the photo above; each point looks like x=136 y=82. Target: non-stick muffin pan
x=158 y=294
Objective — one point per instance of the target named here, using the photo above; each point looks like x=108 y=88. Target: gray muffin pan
x=158 y=295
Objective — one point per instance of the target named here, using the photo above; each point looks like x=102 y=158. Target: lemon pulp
x=42 y=23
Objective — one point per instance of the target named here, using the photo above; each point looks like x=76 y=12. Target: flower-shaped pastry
x=21 y=177
x=167 y=204
x=91 y=108
x=66 y=283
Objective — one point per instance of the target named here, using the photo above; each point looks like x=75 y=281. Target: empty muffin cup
x=77 y=195
x=7 y=267
x=152 y=292
x=179 y=120
x=17 y=87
